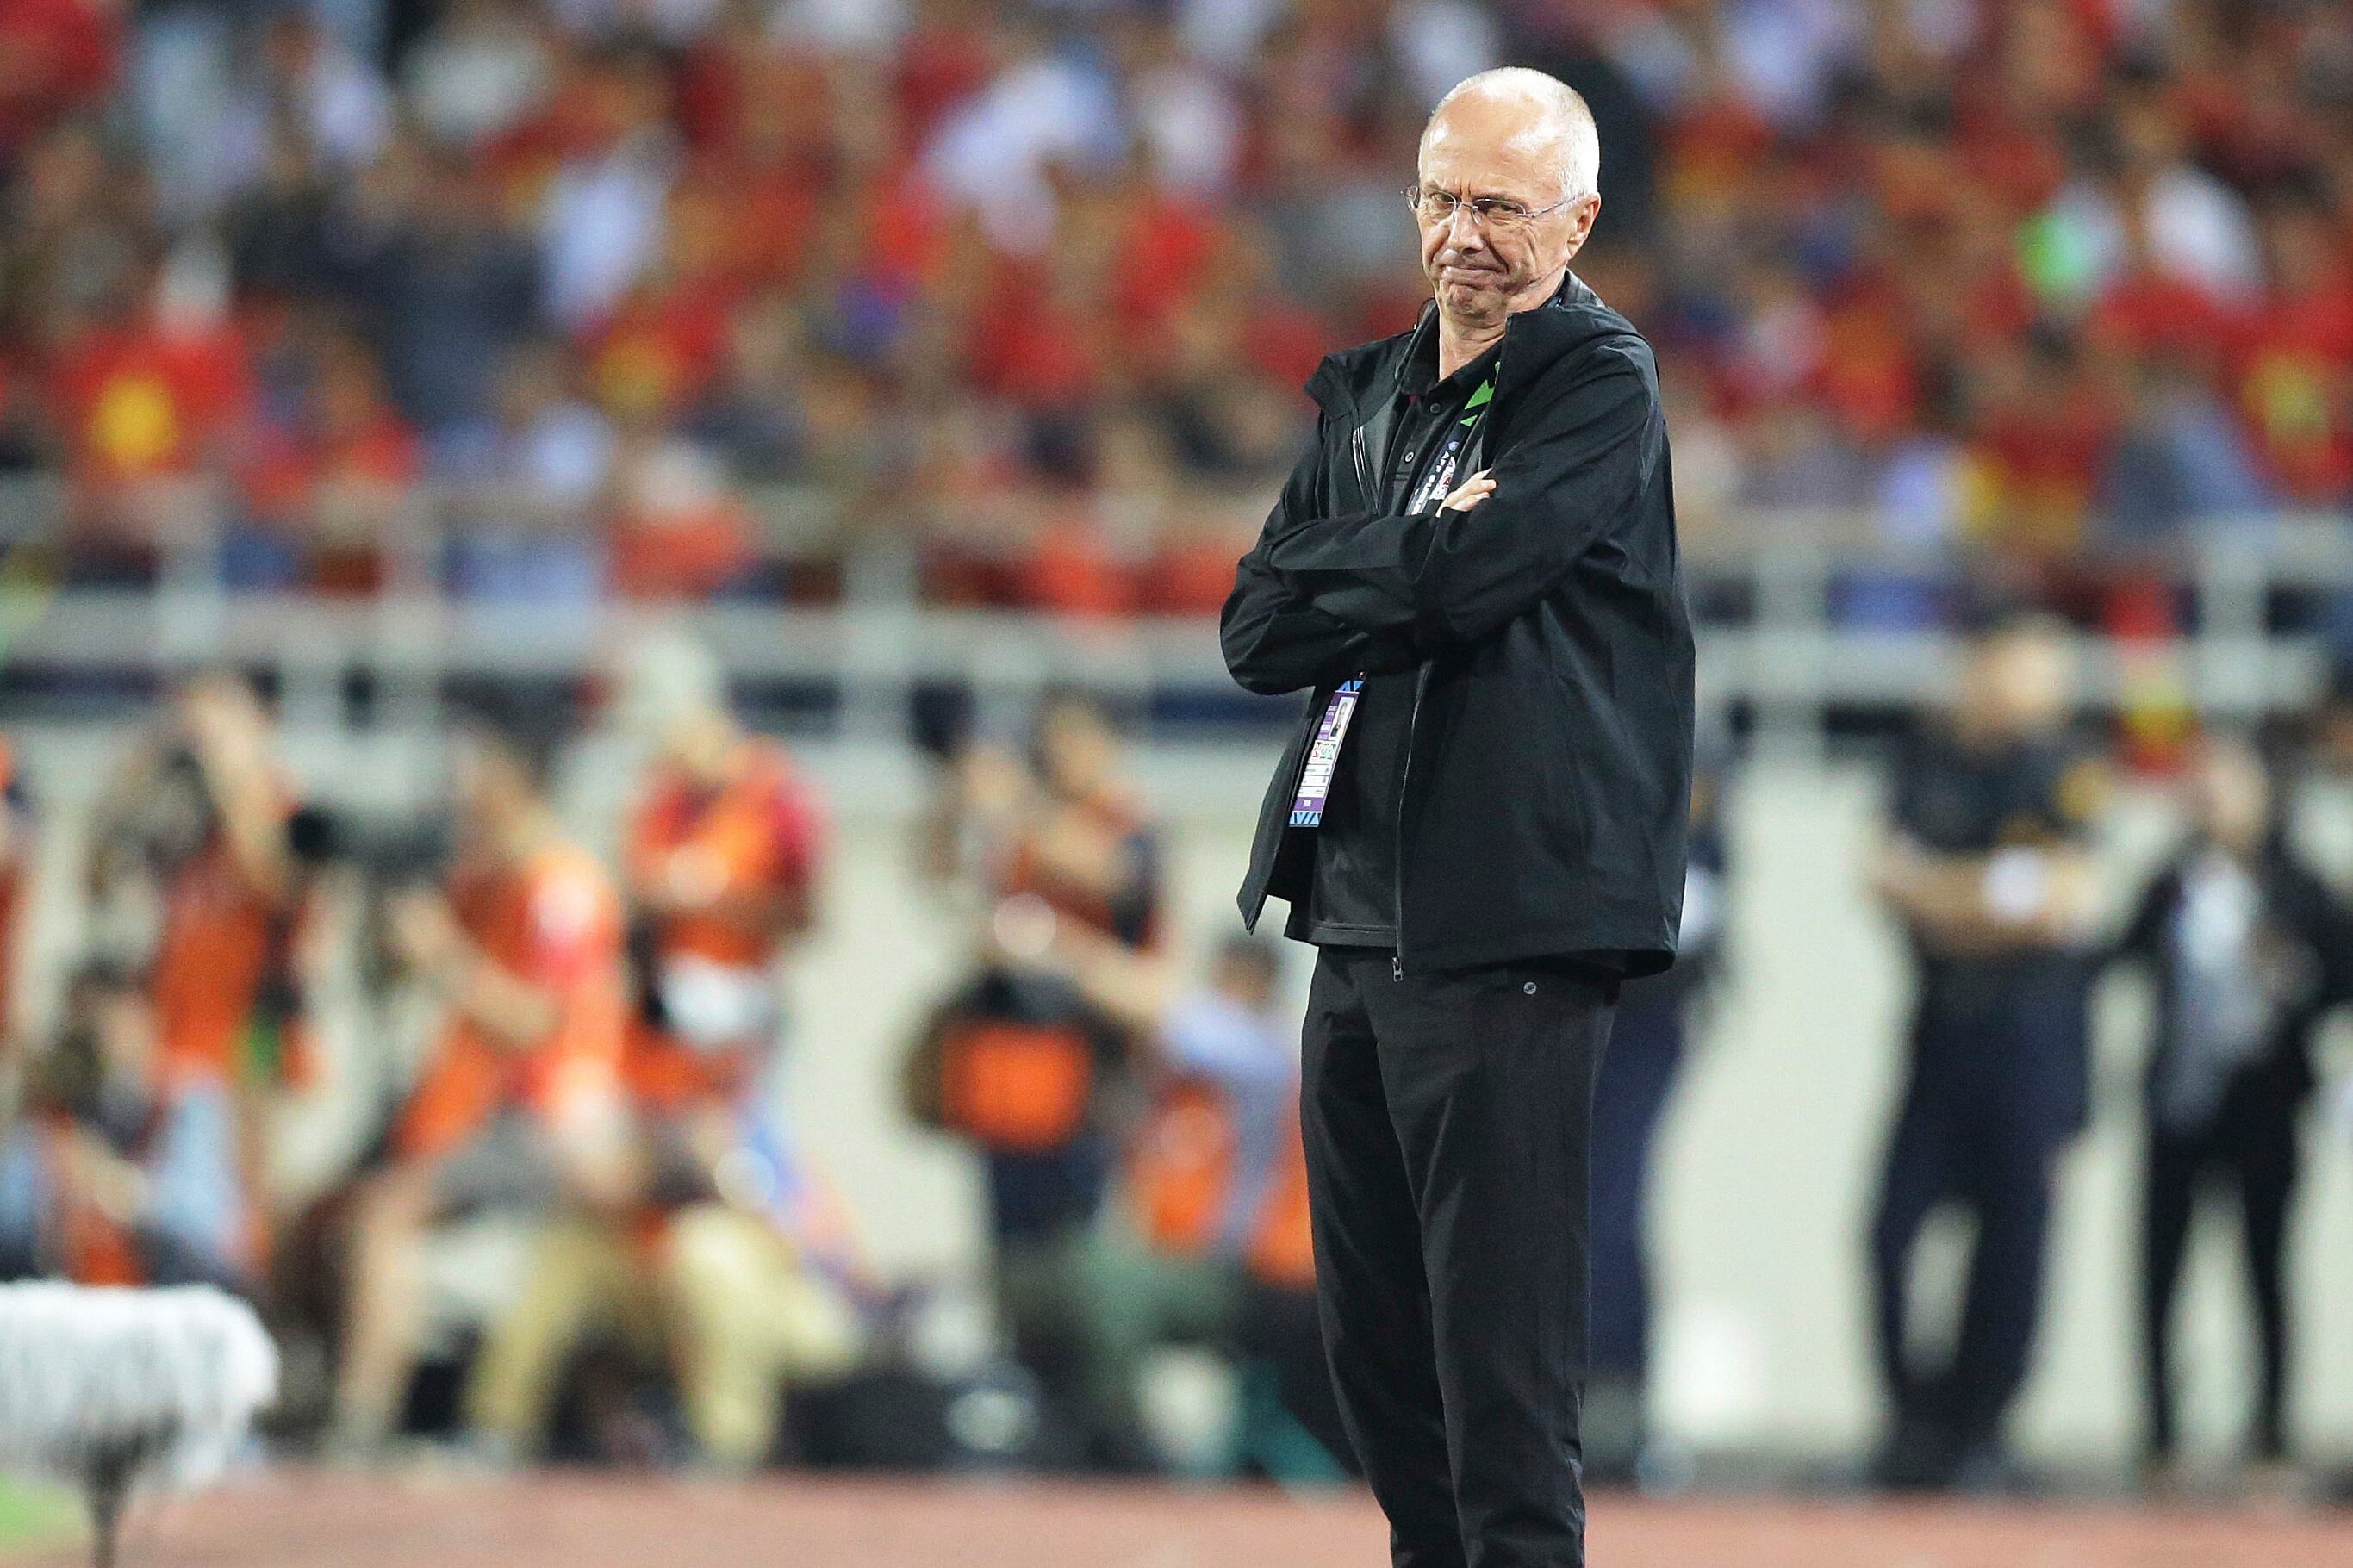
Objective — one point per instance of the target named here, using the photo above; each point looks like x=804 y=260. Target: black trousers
x=1630 y=1101
x=1447 y=1121
x=2259 y=1155
x=1988 y=1150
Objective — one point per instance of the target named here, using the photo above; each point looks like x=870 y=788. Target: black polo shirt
x=1351 y=899
x=1955 y=797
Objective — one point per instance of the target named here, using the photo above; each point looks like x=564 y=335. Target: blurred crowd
x=579 y=1067
x=537 y=298
x=597 y=1077
x=574 y=1218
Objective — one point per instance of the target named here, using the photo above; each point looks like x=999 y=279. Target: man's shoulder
x=1577 y=331
x=1345 y=376
x=1594 y=316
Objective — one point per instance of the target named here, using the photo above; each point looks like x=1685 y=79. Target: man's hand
x=692 y=877
x=1470 y=492
x=224 y=730
x=1021 y=932
x=1988 y=903
x=993 y=783
x=605 y=1164
x=424 y=931
x=1893 y=872
x=94 y=1173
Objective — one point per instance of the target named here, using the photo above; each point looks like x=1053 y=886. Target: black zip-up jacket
x=1548 y=774
x=2312 y=948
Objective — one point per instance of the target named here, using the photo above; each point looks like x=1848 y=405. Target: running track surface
x=309 y=1519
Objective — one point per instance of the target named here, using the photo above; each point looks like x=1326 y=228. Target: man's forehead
x=1486 y=140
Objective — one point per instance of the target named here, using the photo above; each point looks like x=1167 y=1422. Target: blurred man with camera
x=521 y=1104
x=190 y=871
x=190 y=838
x=739 y=1265
x=1017 y=1060
x=115 y=1172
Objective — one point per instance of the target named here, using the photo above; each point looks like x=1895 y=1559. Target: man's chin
x=1471 y=298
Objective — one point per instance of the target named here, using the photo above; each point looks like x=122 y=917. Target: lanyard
x=1324 y=755
x=1315 y=792
x=1440 y=481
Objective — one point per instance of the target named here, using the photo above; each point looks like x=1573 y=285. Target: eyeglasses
x=1494 y=214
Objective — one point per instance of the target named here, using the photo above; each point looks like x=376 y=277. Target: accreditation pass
x=1323 y=756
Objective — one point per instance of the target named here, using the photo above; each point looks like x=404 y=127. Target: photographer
x=113 y=1174
x=519 y=1105
x=191 y=833
x=1018 y=1061
x=196 y=818
x=741 y=1262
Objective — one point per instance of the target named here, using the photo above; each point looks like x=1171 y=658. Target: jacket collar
x=1569 y=292
x=1350 y=382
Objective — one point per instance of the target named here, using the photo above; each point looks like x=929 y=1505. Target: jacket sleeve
x=2329 y=929
x=1275 y=640
x=1580 y=457
x=2143 y=938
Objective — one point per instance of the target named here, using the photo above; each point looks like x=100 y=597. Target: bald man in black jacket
x=1480 y=822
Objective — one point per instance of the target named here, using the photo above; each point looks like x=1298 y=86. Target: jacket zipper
x=1405 y=775
x=1413 y=721
x=1364 y=478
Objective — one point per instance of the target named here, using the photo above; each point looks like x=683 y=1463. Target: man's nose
x=1464 y=231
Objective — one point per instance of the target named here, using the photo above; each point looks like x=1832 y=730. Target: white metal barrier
x=1789 y=660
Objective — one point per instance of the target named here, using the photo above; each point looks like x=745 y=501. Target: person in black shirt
x=2249 y=951
x=1351 y=899
x=1480 y=822
x=1988 y=864
x=1630 y=1101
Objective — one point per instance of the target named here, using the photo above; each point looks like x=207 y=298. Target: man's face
x=494 y=788
x=2020 y=681
x=1481 y=148
x=1077 y=751
x=700 y=739
x=2231 y=797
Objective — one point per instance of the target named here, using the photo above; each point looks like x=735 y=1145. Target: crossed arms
x=1322 y=598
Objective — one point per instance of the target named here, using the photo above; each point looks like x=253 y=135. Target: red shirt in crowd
x=757 y=838
x=554 y=922
x=144 y=400
x=2294 y=378
x=61 y=57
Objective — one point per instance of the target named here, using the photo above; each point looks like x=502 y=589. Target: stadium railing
x=1806 y=621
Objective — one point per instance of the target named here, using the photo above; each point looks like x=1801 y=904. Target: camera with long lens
x=171 y=820
x=392 y=851
x=72 y=1079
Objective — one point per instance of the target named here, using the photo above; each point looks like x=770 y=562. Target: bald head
x=1522 y=113
x=1505 y=194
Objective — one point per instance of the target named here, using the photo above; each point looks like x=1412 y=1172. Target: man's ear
x=1582 y=217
